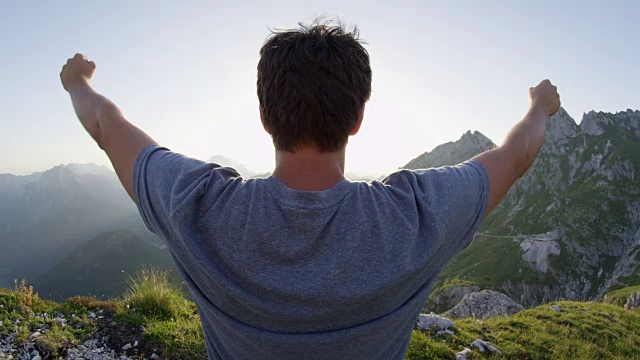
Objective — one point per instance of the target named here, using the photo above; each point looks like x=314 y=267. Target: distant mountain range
x=102 y=266
x=45 y=215
x=570 y=228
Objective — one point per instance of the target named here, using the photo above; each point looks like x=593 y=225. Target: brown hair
x=312 y=85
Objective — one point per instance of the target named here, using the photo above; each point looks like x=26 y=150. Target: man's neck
x=309 y=170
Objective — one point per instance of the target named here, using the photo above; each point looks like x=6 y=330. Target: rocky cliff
x=570 y=228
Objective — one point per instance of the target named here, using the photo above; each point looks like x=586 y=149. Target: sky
x=185 y=72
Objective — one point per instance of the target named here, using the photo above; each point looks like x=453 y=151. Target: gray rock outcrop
x=449 y=297
x=633 y=301
x=484 y=305
x=454 y=152
x=431 y=321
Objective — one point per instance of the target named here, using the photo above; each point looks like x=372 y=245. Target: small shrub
x=150 y=294
x=25 y=293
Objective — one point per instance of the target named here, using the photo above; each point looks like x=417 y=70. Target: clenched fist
x=545 y=96
x=77 y=71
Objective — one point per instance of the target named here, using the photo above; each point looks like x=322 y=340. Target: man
x=305 y=264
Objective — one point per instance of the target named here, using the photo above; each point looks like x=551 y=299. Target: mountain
x=451 y=153
x=102 y=266
x=570 y=228
x=45 y=215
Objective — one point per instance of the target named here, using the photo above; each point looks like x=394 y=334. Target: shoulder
x=439 y=176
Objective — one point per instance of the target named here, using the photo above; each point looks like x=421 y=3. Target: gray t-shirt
x=278 y=273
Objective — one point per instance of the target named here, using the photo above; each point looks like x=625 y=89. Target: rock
x=92 y=315
x=485 y=345
x=35 y=335
x=154 y=356
x=462 y=355
x=127 y=347
x=37 y=357
x=135 y=343
x=444 y=332
x=451 y=153
x=633 y=301
x=448 y=298
x=555 y=308
x=426 y=322
x=484 y=305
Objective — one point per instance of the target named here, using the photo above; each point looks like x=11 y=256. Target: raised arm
x=508 y=162
x=102 y=119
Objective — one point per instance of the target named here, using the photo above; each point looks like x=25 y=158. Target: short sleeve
x=457 y=195
x=165 y=182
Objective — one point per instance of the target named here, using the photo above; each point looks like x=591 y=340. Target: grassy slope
x=580 y=331
x=619 y=297
x=154 y=312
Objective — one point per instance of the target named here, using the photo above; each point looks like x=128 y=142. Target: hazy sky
x=186 y=73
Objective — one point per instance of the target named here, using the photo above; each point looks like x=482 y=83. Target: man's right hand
x=77 y=71
x=545 y=97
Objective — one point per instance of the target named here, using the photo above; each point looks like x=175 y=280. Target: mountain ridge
x=571 y=225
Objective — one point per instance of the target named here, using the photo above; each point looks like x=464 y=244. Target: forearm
x=95 y=112
x=527 y=137
x=120 y=140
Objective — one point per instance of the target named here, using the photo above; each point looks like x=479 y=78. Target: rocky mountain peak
x=561 y=126
x=469 y=145
x=475 y=137
x=88 y=169
x=56 y=177
x=572 y=218
x=598 y=122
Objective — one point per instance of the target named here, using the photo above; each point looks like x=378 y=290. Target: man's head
x=313 y=83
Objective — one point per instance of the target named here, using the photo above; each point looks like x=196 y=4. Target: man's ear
x=357 y=127
x=264 y=126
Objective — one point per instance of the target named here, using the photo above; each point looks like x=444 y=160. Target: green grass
x=169 y=324
x=491 y=262
x=150 y=295
x=619 y=296
x=168 y=319
x=20 y=310
x=580 y=331
x=182 y=338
